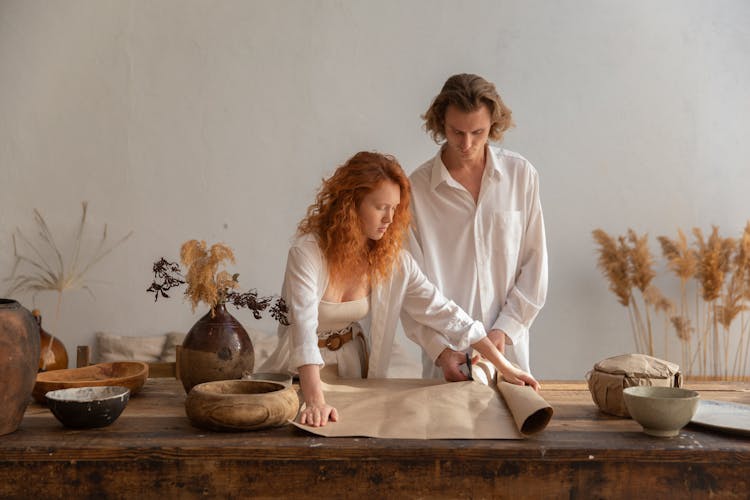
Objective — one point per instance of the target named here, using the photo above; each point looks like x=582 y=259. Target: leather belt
x=335 y=340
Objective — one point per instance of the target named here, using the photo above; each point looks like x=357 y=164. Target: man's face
x=466 y=133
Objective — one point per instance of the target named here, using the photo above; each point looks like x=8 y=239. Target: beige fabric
x=610 y=376
x=334 y=316
x=169 y=353
x=123 y=348
x=431 y=409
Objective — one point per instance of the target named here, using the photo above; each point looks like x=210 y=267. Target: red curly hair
x=334 y=220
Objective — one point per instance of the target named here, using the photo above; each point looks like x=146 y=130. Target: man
x=478 y=228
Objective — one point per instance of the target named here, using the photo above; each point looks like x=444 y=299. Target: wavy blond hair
x=468 y=93
x=334 y=220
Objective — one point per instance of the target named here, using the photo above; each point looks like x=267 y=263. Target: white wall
x=216 y=120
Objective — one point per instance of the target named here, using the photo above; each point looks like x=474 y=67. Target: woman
x=347 y=268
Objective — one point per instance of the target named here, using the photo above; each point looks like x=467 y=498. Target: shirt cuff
x=305 y=355
x=435 y=346
x=512 y=328
x=438 y=343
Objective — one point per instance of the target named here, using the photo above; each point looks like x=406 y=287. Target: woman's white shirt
x=305 y=282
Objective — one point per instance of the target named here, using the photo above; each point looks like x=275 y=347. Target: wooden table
x=152 y=451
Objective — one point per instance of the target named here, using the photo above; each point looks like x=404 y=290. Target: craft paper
x=432 y=409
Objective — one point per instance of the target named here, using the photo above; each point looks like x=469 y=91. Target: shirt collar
x=493 y=162
x=440 y=172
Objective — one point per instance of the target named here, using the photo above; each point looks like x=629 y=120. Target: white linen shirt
x=489 y=256
x=305 y=282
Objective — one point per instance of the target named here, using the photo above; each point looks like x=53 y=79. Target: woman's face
x=377 y=208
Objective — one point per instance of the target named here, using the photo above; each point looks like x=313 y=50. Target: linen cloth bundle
x=611 y=375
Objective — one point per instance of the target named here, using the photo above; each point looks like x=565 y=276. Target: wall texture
x=216 y=120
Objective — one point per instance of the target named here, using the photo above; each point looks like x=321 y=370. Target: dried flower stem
x=719 y=268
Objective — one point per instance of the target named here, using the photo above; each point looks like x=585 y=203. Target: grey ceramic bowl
x=282 y=378
x=88 y=407
x=661 y=411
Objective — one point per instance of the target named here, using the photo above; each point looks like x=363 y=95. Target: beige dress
x=338 y=318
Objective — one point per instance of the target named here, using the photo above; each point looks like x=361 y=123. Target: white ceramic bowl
x=661 y=411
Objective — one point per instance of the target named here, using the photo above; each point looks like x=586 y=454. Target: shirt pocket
x=507 y=234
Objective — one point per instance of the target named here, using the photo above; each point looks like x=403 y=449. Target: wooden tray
x=130 y=374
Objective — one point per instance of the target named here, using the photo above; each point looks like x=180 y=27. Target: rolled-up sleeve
x=443 y=323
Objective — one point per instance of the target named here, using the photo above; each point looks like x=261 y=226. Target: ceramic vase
x=216 y=348
x=19 y=358
x=53 y=355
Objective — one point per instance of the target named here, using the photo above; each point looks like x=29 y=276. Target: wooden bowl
x=240 y=405
x=130 y=374
x=88 y=407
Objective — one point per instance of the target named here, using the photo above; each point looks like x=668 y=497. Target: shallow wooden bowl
x=240 y=405
x=130 y=374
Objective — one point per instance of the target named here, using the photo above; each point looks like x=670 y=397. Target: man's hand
x=498 y=338
x=450 y=361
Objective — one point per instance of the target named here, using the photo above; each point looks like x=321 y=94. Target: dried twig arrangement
x=718 y=268
x=207 y=284
x=40 y=266
x=47 y=269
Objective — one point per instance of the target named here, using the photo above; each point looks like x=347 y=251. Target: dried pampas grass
x=713 y=262
x=641 y=261
x=627 y=264
x=718 y=267
x=681 y=259
x=205 y=282
x=613 y=262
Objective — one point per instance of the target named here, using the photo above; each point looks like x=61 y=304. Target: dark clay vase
x=215 y=348
x=52 y=355
x=19 y=357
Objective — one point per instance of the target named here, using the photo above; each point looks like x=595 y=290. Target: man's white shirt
x=490 y=257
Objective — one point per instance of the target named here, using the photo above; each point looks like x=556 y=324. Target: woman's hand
x=317 y=415
x=316 y=412
x=509 y=372
x=517 y=376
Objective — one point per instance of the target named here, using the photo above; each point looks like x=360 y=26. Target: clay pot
x=53 y=355
x=215 y=348
x=19 y=358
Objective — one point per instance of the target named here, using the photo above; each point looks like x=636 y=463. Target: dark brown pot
x=19 y=357
x=215 y=348
x=52 y=355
